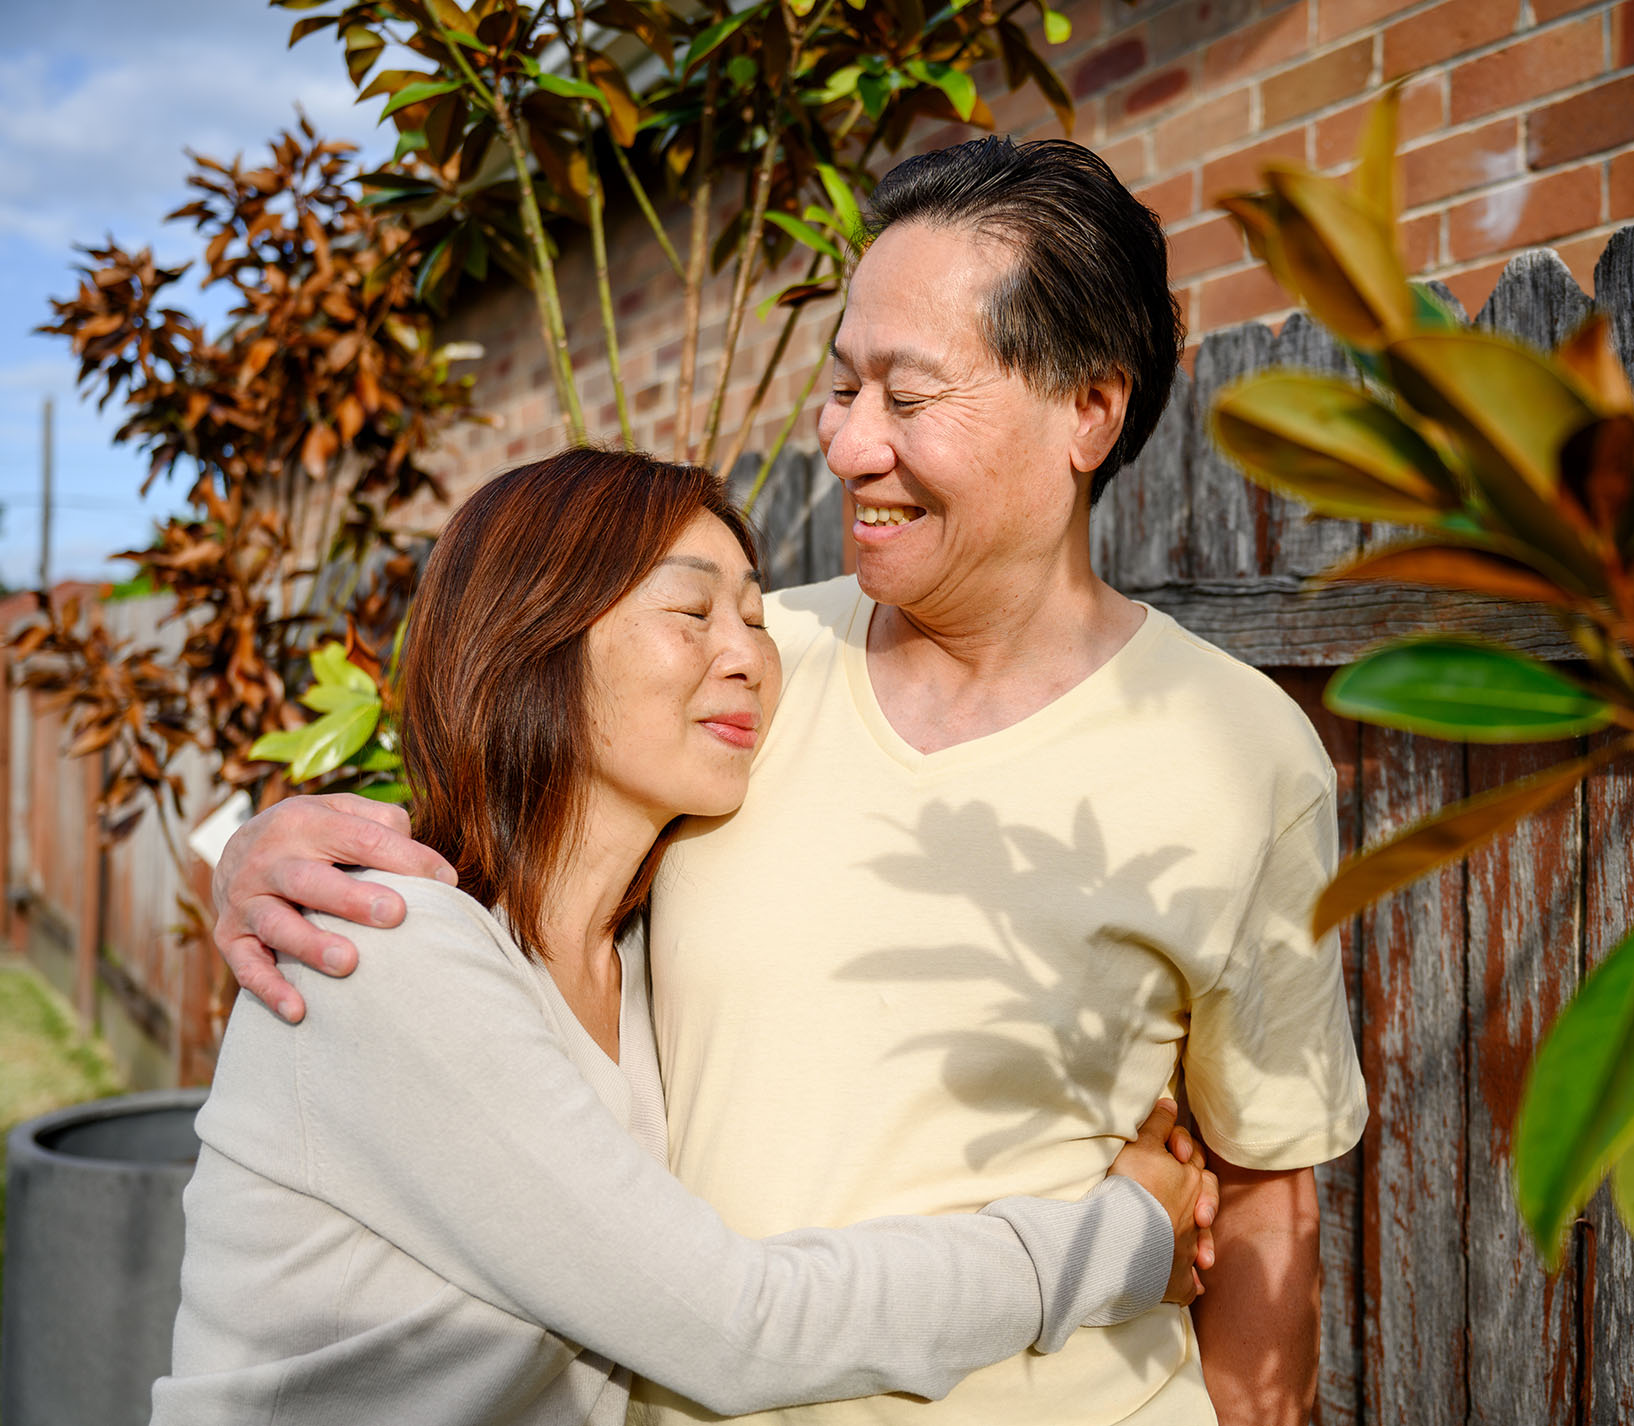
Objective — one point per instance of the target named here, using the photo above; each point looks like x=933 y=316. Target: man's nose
x=858 y=443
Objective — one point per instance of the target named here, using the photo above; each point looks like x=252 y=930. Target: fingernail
x=333 y=959
x=289 y=1010
x=379 y=910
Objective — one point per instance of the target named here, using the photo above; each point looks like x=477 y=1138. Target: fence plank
x=1278 y=620
x=1228 y=533
x=1536 y=299
x=1413 y=1056
x=1151 y=502
x=825 y=527
x=1608 y=903
x=1339 y=1184
x=1297 y=544
x=1523 y=950
x=1614 y=291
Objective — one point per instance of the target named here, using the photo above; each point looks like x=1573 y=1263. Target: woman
x=441 y=1197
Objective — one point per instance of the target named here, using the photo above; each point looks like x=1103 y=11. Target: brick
x=1237 y=296
x=1526 y=70
x=1525 y=214
x=1140 y=100
x=1620 y=188
x=1317 y=83
x=1126 y=158
x=1172 y=199
x=1421 y=241
x=1338 y=136
x=1452 y=28
x=1622 y=35
x=1189 y=25
x=1473 y=287
x=1216 y=242
x=1257 y=47
x=1591 y=122
x=1108 y=65
x=1461 y=162
x=1242 y=169
x=1546 y=10
x=1339 y=17
x=1203 y=128
x=1581 y=254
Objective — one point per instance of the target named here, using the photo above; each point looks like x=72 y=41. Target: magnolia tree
x=301 y=427
x=1514 y=470
x=515 y=119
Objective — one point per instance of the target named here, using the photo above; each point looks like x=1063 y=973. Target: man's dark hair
x=1088 y=292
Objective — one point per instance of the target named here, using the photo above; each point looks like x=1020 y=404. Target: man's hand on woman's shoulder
x=289 y=857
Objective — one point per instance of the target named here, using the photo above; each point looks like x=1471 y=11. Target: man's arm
x=285 y=859
x=1258 y=1322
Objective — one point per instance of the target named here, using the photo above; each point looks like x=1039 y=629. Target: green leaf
x=1622 y=1188
x=959 y=87
x=717 y=34
x=333 y=698
x=805 y=233
x=566 y=88
x=409 y=141
x=1335 y=447
x=282 y=746
x=1461 y=689
x=330 y=665
x=331 y=741
x=875 y=92
x=842 y=84
x=741 y=70
x=375 y=758
x=398 y=792
x=1057 y=28
x=847 y=212
x=418 y=93
x=1577 y=1115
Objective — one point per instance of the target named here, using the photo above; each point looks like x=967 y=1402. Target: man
x=1019 y=854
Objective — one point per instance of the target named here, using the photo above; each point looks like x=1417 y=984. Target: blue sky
x=101 y=99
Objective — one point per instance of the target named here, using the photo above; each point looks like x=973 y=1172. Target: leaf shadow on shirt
x=1032 y=885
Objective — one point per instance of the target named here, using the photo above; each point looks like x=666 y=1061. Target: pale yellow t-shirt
x=898 y=982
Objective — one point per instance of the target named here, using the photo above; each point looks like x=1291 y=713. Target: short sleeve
x=1270 y=1063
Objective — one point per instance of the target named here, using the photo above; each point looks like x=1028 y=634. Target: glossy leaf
x=394 y=792
x=418 y=94
x=1462 y=689
x=1597 y=468
x=1057 y=27
x=565 y=87
x=806 y=234
x=1377 y=178
x=1444 y=837
x=840 y=197
x=716 y=35
x=1333 y=446
x=1588 y=354
x=1341 y=258
x=1445 y=566
x=1622 y=1188
x=1576 y=1117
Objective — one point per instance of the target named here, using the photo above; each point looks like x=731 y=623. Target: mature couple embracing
x=1018 y=860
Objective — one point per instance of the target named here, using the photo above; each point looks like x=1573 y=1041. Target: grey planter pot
x=93 y=1258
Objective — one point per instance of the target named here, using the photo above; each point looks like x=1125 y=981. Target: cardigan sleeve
x=440 y=1109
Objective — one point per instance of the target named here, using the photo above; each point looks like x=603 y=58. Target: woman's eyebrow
x=705 y=566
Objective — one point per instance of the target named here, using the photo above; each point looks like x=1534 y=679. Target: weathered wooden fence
x=103 y=922
x=1435 y=1310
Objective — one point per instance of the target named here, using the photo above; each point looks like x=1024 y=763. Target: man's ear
x=1101 y=407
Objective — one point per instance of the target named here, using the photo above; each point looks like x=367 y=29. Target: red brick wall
x=1517 y=130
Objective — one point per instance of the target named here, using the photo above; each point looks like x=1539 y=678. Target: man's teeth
x=883 y=515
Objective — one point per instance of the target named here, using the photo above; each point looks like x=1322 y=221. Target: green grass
x=47 y=1063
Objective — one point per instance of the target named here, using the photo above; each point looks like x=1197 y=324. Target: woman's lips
x=740 y=730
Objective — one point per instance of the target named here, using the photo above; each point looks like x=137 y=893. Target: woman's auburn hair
x=495 y=683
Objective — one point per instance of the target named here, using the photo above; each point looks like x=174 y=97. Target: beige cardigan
x=436 y=1200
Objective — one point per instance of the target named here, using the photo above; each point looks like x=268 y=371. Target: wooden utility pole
x=45 y=497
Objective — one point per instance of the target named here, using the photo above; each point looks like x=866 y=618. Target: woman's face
x=685 y=679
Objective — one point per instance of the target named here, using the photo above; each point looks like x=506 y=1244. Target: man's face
x=964 y=478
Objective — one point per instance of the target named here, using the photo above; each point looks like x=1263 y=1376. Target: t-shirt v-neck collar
x=1099 y=686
